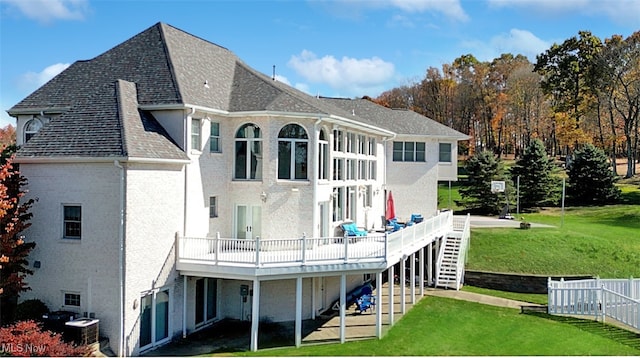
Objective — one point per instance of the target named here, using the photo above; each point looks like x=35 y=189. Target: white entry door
x=248 y=221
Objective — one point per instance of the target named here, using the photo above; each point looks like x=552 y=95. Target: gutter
x=139 y=160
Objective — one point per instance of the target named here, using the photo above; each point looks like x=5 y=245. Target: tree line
x=582 y=91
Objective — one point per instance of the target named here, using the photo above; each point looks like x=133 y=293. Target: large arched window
x=323 y=155
x=248 y=163
x=31 y=128
x=292 y=152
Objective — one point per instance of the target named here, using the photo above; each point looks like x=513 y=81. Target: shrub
x=31 y=310
x=27 y=339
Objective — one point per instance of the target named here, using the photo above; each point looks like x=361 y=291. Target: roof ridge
x=167 y=52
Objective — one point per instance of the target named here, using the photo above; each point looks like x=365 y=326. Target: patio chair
x=394 y=225
x=366 y=300
x=417 y=218
x=350 y=229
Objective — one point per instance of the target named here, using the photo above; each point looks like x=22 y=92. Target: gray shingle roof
x=166 y=66
x=399 y=121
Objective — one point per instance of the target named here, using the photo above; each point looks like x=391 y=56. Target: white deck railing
x=618 y=299
x=262 y=252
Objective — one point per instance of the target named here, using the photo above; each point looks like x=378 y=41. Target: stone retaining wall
x=513 y=282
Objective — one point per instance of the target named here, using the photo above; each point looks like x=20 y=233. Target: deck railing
x=618 y=299
x=260 y=252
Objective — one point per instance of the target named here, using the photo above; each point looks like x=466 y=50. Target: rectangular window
x=372 y=146
x=368 y=196
x=372 y=170
x=444 y=155
x=351 y=143
x=338 y=169
x=362 y=169
x=351 y=169
x=213 y=207
x=337 y=199
x=350 y=207
x=72 y=221
x=409 y=152
x=214 y=138
x=323 y=160
x=362 y=143
x=195 y=134
x=338 y=141
x=72 y=299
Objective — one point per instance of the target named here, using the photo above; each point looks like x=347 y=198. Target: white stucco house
x=177 y=187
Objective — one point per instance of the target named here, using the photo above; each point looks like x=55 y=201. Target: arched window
x=292 y=152
x=31 y=128
x=248 y=163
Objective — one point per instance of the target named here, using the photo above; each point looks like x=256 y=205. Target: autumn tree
x=591 y=182
x=7 y=135
x=482 y=168
x=28 y=339
x=14 y=219
x=535 y=169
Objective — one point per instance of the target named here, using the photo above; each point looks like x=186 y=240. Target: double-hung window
x=292 y=152
x=444 y=155
x=195 y=134
x=214 y=138
x=72 y=222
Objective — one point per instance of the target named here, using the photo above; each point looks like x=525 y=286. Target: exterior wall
x=414 y=185
x=174 y=123
x=154 y=214
x=88 y=266
x=449 y=171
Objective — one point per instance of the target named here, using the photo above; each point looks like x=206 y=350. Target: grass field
x=601 y=241
x=446 y=327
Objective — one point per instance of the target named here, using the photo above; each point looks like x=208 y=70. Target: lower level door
x=154 y=318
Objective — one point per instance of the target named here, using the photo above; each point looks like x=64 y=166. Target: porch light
x=263 y=197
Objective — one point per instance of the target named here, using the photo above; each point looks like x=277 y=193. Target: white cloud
x=623 y=11
x=349 y=74
x=32 y=80
x=282 y=79
x=520 y=42
x=46 y=11
x=450 y=8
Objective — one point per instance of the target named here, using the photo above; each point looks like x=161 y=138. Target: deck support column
x=255 y=315
x=343 y=306
x=430 y=263
x=421 y=271
x=403 y=278
x=184 y=306
x=313 y=298
x=412 y=272
x=298 y=311
x=378 y=306
x=391 y=284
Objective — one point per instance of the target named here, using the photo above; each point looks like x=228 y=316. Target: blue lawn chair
x=350 y=229
x=366 y=300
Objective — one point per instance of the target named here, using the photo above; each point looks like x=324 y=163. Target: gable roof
x=165 y=66
x=400 y=121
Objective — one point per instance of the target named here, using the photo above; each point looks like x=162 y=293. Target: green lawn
x=524 y=297
x=446 y=327
x=600 y=241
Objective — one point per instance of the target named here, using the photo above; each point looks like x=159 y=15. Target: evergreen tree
x=14 y=218
x=591 y=181
x=535 y=171
x=482 y=168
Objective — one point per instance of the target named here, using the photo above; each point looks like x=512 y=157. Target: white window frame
x=213 y=207
x=71 y=221
x=213 y=138
x=440 y=152
x=196 y=134
x=29 y=131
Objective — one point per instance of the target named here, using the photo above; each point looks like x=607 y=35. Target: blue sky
x=339 y=48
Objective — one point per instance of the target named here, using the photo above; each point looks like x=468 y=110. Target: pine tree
x=482 y=168
x=14 y=218
x=591 y=181
x=535 y=169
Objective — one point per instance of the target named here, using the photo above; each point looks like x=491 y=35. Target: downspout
x=186 y=149
x=316 y=220
x=121 y=347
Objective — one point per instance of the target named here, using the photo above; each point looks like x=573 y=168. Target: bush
x=27 y=339
x=31 y=310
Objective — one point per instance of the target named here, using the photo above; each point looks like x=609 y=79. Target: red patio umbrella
x=391 y=210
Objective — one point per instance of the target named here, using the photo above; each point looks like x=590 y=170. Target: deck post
x=379 y=304
x=412 y=272
x=430 y=262
x=257 y=241
x=402 y=276
x=421 y=271
x=217 y=250
x=343 y=306
x=313 y=298
x=391 y=284
x=184 y=306
x=298 y=311
x=255 y=315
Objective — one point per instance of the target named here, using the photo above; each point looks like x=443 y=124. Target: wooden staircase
x=447 y=266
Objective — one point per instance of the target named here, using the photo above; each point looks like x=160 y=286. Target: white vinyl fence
x=618 y=299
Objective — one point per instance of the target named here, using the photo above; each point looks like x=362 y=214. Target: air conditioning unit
x=82 y=331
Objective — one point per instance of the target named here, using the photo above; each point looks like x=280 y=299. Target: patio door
x=154 y=318
x=206 y=309
x=248 y=221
